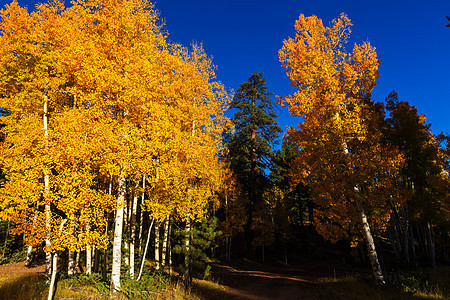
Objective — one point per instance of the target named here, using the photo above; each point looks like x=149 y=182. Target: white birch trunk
x=48 y=255
x=29 y=257
x=187 y=245
x=71 y=264
x=157 y=261
x=51 y=290
x=169 y=245
x=165 y=240
x=145 y=250
x=126 y=241
x=373 y=257
x=141 y=217
x=133 y=232
x=88 y=260
x=117 y=243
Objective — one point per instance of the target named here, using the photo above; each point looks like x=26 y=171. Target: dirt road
x=272 y=282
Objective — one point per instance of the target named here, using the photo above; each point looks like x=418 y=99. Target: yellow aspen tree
x=32 y=45
x=341 y=151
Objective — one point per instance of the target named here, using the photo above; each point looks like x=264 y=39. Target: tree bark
x=51 y=290
x=165 y=241
x=157 y=230
x=133 y=233
x=117 y=243
x=29 y=256
x=96 y=259
x=145 y=250
x=187 y=258
x=170 y=250
x=125 y=234
x=71 y=263
x=141 y=218
x=48 y=255
x=376 y=268
x=88 y=260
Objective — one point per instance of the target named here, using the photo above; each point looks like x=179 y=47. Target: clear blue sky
x=244 y=36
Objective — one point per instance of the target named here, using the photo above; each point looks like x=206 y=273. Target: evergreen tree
x=250 y=148
x=256 y=132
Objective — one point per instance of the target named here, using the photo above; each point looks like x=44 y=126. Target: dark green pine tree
x=251 y=152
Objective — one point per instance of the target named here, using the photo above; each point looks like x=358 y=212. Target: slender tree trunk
x=117 y=243
x=48 y=255
x=96 y=258
x=105 y=251
x=431 y=246
x=157 y=256
x=77 y=262
x=71 y=263
x=170 y=249
x=125 y=234
x=187 y=258
x=51 y=290
x=141 y=218
x=376 y=268
x=165 y=241
x=104 y=265
x=88 y=260
x=145 y=250
x=378 y=246
x=133 y=233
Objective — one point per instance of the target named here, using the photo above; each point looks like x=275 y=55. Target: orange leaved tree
x=340 y=149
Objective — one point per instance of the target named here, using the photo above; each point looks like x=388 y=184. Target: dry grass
x=24 y=287
x=354 y=287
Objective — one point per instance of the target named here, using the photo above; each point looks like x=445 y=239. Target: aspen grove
x=99 y=103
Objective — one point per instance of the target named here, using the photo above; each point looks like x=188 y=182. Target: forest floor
x=19 y=269
x=242 y=280
x=270 y=281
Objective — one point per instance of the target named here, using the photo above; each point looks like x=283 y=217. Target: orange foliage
x=340 y=140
